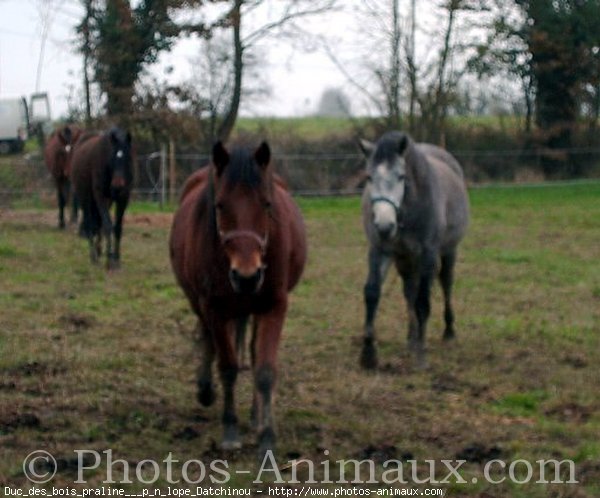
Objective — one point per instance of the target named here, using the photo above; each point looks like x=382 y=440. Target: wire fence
x=159 y=176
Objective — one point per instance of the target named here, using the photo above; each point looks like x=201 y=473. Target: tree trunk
x=238 y=65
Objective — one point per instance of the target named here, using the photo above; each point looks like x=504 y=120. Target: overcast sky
x=296 y=78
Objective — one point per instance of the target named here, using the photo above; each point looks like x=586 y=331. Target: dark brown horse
x=57 y=155
x=238 y=247
x=102 y=174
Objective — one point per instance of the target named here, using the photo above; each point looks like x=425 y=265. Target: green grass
x=108 y=360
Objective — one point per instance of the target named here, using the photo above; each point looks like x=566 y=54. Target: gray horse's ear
x=262 y=155
x=403 y=143
x=366 y=147
x=220 y=157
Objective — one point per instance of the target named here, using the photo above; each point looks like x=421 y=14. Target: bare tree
x=283 y=25
x=410 y=71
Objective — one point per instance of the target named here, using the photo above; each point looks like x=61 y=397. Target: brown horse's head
x=242 y=201
x=59 y=151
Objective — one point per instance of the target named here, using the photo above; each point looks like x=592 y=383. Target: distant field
x=90 y=360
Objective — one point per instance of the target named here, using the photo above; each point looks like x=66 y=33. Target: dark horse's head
x=386 y=174
x=120 y=163
x=242 y=202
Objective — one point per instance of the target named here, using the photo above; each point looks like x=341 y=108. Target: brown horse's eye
x=219 y=206
x=267 y=204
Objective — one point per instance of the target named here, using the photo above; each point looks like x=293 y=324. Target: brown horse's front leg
x=224 y=339
x=266 y=342
x=206 y=392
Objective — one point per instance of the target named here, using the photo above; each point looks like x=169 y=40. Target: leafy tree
x=553 y=46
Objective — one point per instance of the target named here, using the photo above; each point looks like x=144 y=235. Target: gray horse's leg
x=379 y=264
x=206 y=391
x=422 y=304
x=446 y=279
x=417 y=278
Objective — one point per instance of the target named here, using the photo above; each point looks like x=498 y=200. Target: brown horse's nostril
x=117 y=182
x=246 y=284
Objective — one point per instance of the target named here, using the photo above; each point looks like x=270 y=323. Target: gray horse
x=415 y=212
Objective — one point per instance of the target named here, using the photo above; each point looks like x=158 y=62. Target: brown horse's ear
x=220 y=157
x=262 y=155
x=366 y=147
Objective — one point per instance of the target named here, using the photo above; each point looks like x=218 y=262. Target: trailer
x=14 y=124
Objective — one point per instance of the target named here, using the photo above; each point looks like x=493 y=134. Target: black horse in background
x=102 y=175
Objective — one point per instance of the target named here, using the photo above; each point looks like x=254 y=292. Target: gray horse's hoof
x=113 y=264
x=368 y=356
x=449 y=334
x=231 y=445
x=206 y=394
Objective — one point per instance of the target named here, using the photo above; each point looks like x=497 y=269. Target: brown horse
x=102 y=174
x=57 y=155
x=238 y=247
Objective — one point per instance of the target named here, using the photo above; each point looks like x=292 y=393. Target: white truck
x=14 y=124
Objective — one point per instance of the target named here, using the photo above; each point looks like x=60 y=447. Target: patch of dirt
x=588 y=472
x=382 y=453
x=570 y=412
x=479 y=453
x=48 y=217
x=35 y=368
x=75 y=322
x=575 y=361
x=155 y=220
x=186 y=434
x=10 y=422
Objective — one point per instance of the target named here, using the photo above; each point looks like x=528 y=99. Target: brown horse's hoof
x=266 y=442
x=231 y=438
x=368 y=356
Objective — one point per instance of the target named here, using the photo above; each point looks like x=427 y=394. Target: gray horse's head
x=386 y=174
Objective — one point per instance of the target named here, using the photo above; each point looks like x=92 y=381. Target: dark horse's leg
x=446 y=280
x=378 y=266
x=223 y=335
x=62 y=189
x=74 y=207
x=266 y=343
x=115 y=257
x=89 y=229
x=206 y=392
x=103 y=206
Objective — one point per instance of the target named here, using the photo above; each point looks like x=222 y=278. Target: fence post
x=163 y=174
x=172 y=172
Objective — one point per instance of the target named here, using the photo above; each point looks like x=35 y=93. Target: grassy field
x=90 y=360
